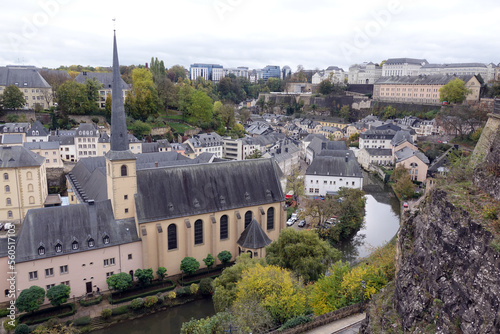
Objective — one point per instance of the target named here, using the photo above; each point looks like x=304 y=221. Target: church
x=150 y=210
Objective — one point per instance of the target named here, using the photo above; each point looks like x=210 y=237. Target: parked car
x=290 y=222
x=294 y=216
x=405 y=205
x=331 y=221
x=302 y=223
x=8 y=226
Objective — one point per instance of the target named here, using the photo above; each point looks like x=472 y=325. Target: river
x=381 y=220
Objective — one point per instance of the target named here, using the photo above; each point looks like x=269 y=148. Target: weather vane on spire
x=114 y=24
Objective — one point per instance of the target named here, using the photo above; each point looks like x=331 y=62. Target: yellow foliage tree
x=275 y=289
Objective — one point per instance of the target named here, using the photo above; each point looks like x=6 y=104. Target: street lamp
x=363 y=284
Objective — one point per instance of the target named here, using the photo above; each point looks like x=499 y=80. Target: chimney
x=156 y=164
x=84 y=73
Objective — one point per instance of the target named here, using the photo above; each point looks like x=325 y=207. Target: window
x=58 y=248
x=63 y=269
x=65 y=283
x=29 y=176
x=74 y=245
x=109 y=274
x=6 y=176
x=50 y=286
x=223 y=227
x=49 y=272
x=105 y=240
x=126 y=210
x=9 y=214
x=91 y=242
x=112 y=261
x=316 y=191
x=41 y=250
x=125 y=196
x=124 y=170
x=32 y=200
x=270 y=218
x=248 y=218
x=130 y=256
x=8 y=201
x=171 y=236
x=198 y=232
x=106 y=262
x=33 y=275
x=7 y=189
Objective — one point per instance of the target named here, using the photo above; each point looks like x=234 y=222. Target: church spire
x=119 y=136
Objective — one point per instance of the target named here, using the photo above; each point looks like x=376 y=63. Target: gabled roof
x=406 y=153
x=378 y=134
x=37 y=126
x=378 y=151
x=22 y=77
x=335 y=166
x=86 y=130
x=205 y=188
x=253 y=237
x=18 y=156
x=12 y=138
x=388 y=126
x=42 y=145
x=62 y=139
x=311 y=136
x=400 y=137
x=63 y=225
x=441 y=161
x=317 y=145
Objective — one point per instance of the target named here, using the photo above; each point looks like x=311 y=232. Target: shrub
x=189 y=265
x=150 y=301
x=82 y=321
x=301 y=319
x=4 y=312
x=120 y=310
x=206 y=287
x=93 y=301
x=172 y=295
x=137 y=303
x=95 y=119
x=106 y=313
x=161 y=300
x=193 y=289
x=52 y=323
x=184 y=292
x=490 y=212
x=22 y=329
x=225 y=256
x=8 y=326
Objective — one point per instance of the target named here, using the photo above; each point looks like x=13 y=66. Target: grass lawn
x=179 y=127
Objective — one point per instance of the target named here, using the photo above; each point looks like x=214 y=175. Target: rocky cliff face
x=448 y=278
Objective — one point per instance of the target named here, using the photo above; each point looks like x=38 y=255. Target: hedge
x=4 y=312
x=139 y=295
x=91 y=302
x=82 y=321
x=120 y=310
x=196 y=281
x=48 y=310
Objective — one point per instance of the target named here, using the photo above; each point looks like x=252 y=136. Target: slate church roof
x=165 y=193
x=253 y=237
x=64 y=225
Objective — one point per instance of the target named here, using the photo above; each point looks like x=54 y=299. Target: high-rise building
x=212 y=72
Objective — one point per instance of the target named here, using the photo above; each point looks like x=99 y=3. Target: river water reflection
x=381 y=220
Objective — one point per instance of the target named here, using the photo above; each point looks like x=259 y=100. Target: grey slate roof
x=441 y=161
x=388 y=126
x=206 y=140
x=311 y=136
x=253 y=237
x=18 y=156
x=105 y=78
x=400 y=137
x=437 y=79
x=22 y=77
x=37 y=126
x=378 y=134
x=164 y=193
x=394 y=61
x=14 y=127
x=335 y=166
x=86 y=130
x=63 y=140
x=64 y=224
x=317 y=145
x=12 y=138
x=150 y=147
x=42 y=145
x=407 y=152
x=379 y=151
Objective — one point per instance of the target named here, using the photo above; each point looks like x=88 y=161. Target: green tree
x=225 y=256
x=185 y=97
x=454 y=91
x=274 y=84
x=120 y=281
x=176 y=73
x=189 y=265
x=256 y=154
x=145 y=276
x=30 y=299
x=209 y=261
x=144 y=101
x=72 y=98
x=22 y=329
x=295 y=182
x=244 y=115
x=350 y=213
x=226 y=112
x=403 y=185
x=140 y=128
x=201 y=108
x=92 y=87
x=161 y=272
x=302 y=252
x=13 y=98
x=325 y=87
x=157 y=68
x=345 y=112
x=58 y=294
x=389 y=112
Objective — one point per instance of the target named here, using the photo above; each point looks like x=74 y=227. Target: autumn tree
x=403 y=185
x=72 y=98
x=176 y=73
x=144 y=101
x=274 y=84
x=274 y=288
x=256 y=154
x=295 y=183
x=325 y=87
x=344 y=112
x=463 y=119
x=302 y=252
x=454 y=91
x=13 y=98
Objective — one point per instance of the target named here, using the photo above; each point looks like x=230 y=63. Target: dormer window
x=58 y=248
x=41 y=250
x=105 y=240
x=91 y=242
x=74 y=245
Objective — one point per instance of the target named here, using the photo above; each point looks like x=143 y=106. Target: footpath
x=339 y=325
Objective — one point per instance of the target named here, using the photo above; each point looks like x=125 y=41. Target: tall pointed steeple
x=119 y=136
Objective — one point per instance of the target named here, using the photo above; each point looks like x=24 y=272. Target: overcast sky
x=253 y=33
